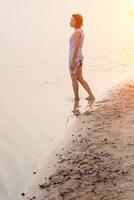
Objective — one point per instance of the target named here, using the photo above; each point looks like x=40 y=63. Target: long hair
x=79 y=20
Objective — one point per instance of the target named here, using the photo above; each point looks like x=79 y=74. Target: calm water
x=35 y=85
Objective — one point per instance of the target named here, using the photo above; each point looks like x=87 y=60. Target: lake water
x=35 y=85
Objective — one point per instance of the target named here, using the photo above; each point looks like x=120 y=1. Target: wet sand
x=99 y=162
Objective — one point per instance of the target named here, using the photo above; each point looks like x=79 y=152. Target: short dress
x=79 y=58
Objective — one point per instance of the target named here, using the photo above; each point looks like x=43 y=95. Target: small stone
x=45 y=185
x=65 y=174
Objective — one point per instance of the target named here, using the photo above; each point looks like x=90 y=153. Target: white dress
x=79 y=57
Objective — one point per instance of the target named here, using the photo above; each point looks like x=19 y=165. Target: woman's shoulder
x=78 y=31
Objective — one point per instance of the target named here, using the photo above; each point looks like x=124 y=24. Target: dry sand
x=99 y=163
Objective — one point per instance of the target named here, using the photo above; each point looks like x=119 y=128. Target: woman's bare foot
x=90 y=98
x=77 y=99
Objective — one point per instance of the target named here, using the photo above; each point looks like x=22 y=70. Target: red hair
x=79 y=20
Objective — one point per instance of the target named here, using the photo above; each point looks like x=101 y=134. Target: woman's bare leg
x=75 y=86
x=84 y=84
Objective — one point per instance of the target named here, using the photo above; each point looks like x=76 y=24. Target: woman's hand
x=72 y=65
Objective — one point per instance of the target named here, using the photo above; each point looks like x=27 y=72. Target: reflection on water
x=35 y=85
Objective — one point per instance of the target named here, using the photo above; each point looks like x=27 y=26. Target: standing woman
x=76 y=57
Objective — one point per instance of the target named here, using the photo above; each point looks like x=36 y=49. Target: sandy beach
x=98 y=163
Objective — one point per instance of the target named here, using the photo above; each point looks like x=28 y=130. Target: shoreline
x=98 y=163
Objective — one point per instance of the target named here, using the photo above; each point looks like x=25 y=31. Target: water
x=35 y=85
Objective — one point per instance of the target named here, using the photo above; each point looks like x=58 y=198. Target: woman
x=76 y=57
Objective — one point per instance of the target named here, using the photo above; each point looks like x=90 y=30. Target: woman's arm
x=76 y=46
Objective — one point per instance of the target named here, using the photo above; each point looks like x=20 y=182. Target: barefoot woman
x=76 y=57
